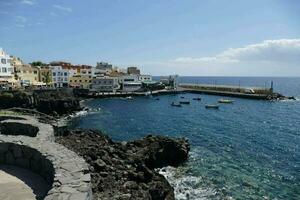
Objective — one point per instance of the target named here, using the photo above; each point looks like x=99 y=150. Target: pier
x=232 y=91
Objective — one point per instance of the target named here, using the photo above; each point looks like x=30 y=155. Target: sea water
x=246 y=150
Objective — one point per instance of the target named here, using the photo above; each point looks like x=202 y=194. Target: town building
x=6 y=71
x=27 y=75
x=145 y=78
x=130 y=83
x=105 y=84
x=103 y=68
x=81 y=81
x=16 y=61
x=133 y=70
x=60 y=76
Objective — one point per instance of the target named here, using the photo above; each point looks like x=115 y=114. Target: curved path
x=65 y=171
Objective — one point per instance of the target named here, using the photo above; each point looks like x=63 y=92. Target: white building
x=103 y=68
x=105 y=84
x=130 y=83
x=60 y=76
x=145 y=78
x=6 y=69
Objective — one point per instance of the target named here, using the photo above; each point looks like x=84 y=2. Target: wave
x=187 y=187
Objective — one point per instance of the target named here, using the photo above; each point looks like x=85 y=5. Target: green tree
x=47 y=77
x=38 y=63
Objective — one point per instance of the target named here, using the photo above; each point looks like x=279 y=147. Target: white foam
x=79 y=113
x=187 y=187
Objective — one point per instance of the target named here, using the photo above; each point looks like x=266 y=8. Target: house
x=27 y=75
x=105 y=84
x=103 y=68
x=6 y=71
x=81 y=81
x=60 y=76
x=130 y=83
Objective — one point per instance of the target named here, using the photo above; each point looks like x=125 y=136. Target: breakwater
x=233 y=91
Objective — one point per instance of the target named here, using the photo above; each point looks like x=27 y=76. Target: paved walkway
x=21 y=184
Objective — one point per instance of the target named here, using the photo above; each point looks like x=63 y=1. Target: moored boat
x=184 y=102
x=212 y=106
x=175 y=104
x=225 y=101
x=198 y=99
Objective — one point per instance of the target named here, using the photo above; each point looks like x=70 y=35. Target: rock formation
x=125 y=170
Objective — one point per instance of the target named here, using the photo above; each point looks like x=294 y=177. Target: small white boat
x=129 y=98
x=225 y=101
x=176 y=104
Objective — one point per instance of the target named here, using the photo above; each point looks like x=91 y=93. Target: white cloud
x=268 y=58
x=28 y=2
x=20 y=19
x=279 y=51
x=63 y=8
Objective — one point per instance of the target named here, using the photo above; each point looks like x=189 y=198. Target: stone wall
x=66 y=172
x=15 y=128
x=28 y=158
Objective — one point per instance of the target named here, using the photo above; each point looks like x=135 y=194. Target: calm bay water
x=247 y=150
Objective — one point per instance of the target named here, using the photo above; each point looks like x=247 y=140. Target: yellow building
x=27 y=75
x=16 y=61
x=80 y=81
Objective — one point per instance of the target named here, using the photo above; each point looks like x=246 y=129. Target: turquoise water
x=247 y=150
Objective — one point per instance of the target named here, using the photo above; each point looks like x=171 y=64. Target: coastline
x=126 y=170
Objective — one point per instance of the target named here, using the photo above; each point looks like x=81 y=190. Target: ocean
x=246 y=150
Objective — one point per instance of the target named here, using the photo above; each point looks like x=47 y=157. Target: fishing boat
x=212 y=106
x=184 y=102
x=197 y=99
x=175 y=104
x=226 y=101
x=182 y=97
x=129 y=98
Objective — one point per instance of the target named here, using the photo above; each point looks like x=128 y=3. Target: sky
x=190 y=37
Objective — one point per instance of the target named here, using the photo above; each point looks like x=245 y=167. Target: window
x=35 y=72
x=4 y=70
x=3 y=61
x=65 y=74
x=54 y=74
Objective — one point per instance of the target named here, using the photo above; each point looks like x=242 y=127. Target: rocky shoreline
x=126 y=170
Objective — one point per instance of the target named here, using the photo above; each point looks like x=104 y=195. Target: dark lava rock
x=54 y=102
x=125 y=170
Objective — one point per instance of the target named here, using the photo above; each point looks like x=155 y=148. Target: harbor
x=256 y=93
